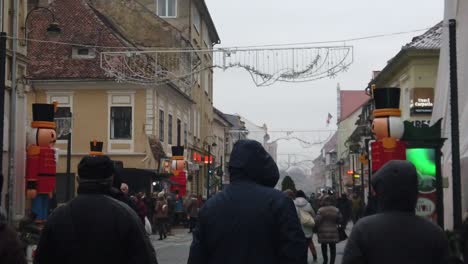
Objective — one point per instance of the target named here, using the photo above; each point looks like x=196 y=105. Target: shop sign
x=422 y=101
x=425 y=207
x=421 y=123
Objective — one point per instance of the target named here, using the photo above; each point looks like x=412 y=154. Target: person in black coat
x=94 y=228
x=344 y=205
x=249 y=222
x=395 y=234
x=11 y=250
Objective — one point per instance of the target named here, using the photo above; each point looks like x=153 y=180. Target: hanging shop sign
x=422 y=101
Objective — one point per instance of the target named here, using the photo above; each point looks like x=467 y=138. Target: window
x=161 y=125
x=63 y=122
x=206 y=82
x=121 y=122
x=179 y=131
x=169 y=129
x=185 y=135
x=196 y=20
x=83 y=53
x=63 y=115
x=207 y=39
x=167 y=8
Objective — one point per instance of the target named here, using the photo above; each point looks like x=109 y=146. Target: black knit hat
x=43 y=112
x=95 y=168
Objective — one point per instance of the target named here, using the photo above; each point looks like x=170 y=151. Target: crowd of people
x=248 y=222
x=164 y=210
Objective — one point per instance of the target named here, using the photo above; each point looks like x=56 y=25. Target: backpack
x=305 y=218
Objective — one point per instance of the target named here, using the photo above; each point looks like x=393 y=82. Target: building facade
x=414 y=70
x=14 y=76
x=132 y=118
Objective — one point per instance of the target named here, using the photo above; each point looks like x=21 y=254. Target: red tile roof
x=81 y=25
x=351 y=100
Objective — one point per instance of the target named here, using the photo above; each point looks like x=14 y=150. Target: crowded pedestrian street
x=175 y=249
x=233 y=132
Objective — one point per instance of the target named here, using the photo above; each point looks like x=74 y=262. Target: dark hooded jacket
x=94 y=228
x=249 y=221
x=395 y=234
x=11 y=251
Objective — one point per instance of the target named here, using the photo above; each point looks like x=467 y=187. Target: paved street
x=175 y=249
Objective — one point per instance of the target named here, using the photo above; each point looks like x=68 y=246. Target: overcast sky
x=305 y=106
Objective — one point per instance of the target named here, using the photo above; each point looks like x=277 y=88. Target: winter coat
x=395 y=234
x=304 y=205
x=94 y=228
x=249 y=222
x=141 y=209
x=344 y=205
x=327 y=220
x=193 y=207
x=11 y=251
x=161 y=210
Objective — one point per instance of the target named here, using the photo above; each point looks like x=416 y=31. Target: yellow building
x=414 y=70
x=131 y=117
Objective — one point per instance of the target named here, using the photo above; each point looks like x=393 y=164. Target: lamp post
x=455 y=129
x=209 y=166
x=53 y=29
x=340 y=165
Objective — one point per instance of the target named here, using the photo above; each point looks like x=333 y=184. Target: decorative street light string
x=233 y=47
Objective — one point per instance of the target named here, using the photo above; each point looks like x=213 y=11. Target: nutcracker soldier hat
x=387 y=101
x=43 y=115
x=96 y=148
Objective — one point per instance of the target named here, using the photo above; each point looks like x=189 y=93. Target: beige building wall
x=90 y=104
x=418 y=72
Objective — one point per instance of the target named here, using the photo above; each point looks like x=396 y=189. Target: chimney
x=375 y=74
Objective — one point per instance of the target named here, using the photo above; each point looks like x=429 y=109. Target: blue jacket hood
x=250 y=161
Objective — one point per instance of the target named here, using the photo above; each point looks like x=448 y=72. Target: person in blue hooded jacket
x=250 y=221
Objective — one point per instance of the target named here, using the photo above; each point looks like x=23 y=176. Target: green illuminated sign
x=425 y=162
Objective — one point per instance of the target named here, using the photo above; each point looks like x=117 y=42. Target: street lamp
x=52 y=30
x=210 y=161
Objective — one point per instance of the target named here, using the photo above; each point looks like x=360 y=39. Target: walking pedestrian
x=124 y=196
x=11 y=251
x=327 y=221
x=344 y=205
x=170 y=212
x=179 y=210
x=94 y=228
x=249 y=222
x=395 y=234
x=192 y=211
x=161 y=216
x=357 y=206
x=141 y=207
x=302 y=204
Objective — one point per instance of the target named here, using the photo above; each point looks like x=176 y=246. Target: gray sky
x=305 y=106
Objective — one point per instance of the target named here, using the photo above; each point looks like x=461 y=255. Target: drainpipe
x=12 y=128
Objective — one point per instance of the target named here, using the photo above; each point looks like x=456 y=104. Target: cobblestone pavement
x=175 y=249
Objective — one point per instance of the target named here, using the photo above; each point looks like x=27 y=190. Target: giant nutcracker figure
x=387 y=127
x=41 y=159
